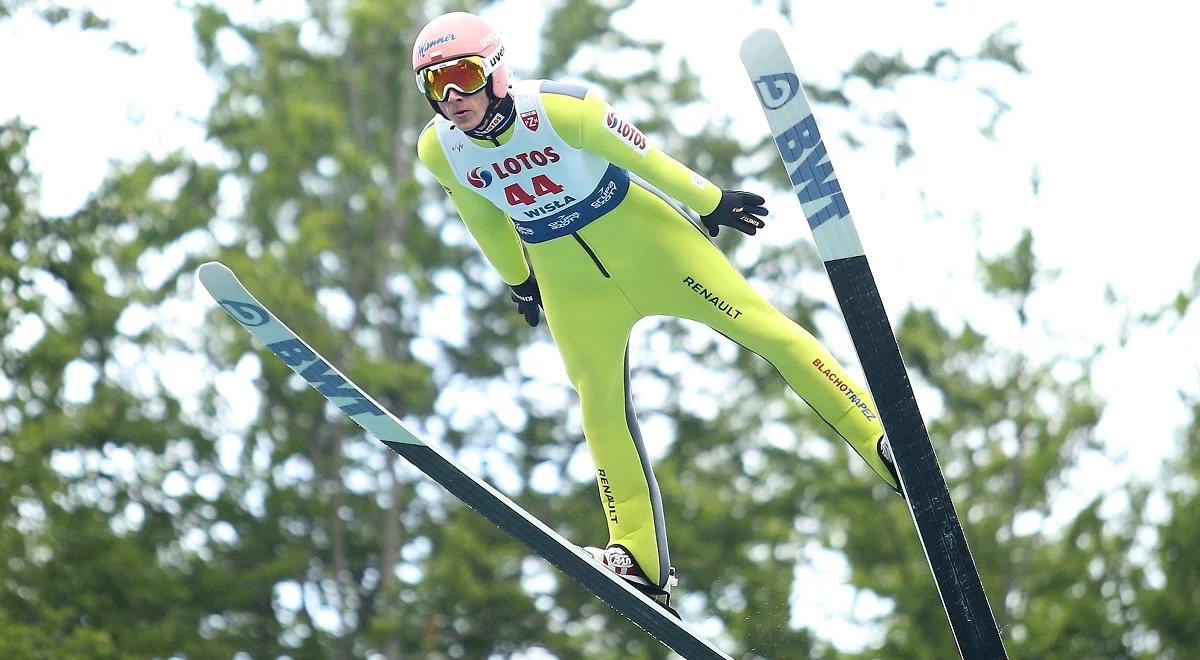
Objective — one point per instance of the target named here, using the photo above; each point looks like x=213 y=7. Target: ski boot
x=618 y=560
x=885 y=454
x=878 y=456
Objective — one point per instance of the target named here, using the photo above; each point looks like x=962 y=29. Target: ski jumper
x=587 y=198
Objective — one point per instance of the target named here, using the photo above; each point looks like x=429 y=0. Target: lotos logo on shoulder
x=626 y=131
x=780 y=88
x=479 y=178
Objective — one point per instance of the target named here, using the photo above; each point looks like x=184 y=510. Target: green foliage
x=1013 y=276
x=81 y=536
x=1170 y=603
x=56 y=15
x=1168 y=315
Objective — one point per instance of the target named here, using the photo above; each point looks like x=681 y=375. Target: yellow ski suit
x=640 y=256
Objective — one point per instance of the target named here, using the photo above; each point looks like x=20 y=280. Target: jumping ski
x=225 y=288
x=799 y=142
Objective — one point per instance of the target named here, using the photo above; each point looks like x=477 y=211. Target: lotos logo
x=492 y=125
x=778 y=86
x=437 y=41
x=479 y=178
x=626 y=131
x=523 y=161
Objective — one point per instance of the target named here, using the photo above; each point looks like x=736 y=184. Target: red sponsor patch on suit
x=627 y=132
x=531 y=120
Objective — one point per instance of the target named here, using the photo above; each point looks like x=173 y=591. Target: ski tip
x=212 y=266
x=214 y=276
x=212 y=269
x=757 y=39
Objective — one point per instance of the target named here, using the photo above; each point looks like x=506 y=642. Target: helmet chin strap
x=500 y=114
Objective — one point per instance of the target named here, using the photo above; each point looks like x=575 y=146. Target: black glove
x=737 y=209
x=528 y=299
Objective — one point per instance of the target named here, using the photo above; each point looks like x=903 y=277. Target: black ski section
x=932 y=509
x=638 y=609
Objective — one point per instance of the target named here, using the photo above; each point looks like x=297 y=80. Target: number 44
x=542 y=185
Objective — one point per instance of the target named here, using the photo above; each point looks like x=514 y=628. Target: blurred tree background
x=144 y=516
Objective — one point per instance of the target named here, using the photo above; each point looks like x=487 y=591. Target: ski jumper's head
x=460 y=52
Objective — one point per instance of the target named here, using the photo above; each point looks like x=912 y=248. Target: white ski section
x=225 y=288
x=223 y=285
x=789 y=115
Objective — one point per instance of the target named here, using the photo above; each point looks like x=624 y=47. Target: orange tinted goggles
x=465 y=74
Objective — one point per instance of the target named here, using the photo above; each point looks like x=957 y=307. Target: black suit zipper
x=587 y=248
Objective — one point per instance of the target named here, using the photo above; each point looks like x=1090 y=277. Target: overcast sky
x=1106 y=117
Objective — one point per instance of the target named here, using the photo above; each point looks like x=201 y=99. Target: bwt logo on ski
x=813 y=179
x=248 y=314
x=479 y=178
x=626 y=131
x=778 y=86
x=425 y=47
x=322 y=377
